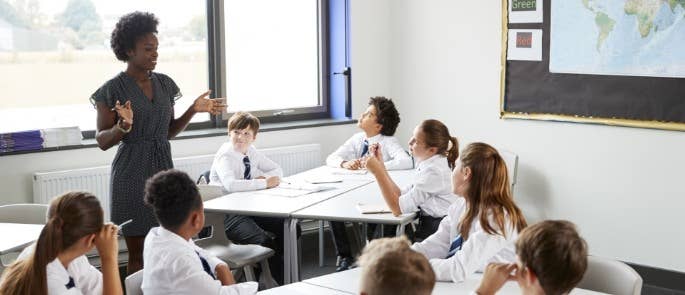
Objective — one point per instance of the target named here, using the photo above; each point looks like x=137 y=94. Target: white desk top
x=302 y=289
x=348 y=281
x=256 y=203
x=16 y=236
x=343 y=207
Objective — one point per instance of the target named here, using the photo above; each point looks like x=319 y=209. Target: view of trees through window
x=55 y=53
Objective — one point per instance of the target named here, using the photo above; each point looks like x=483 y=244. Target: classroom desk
x=343 y=208
x=302 y=289
x=259 y=203
x=348 y=281
x=16 y=236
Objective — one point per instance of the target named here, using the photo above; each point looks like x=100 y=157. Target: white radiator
x=46 y=185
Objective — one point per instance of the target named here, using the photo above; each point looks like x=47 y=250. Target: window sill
x=200 y=133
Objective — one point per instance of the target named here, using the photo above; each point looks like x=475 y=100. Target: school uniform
x=177 y=266
x=430 y=194
x=453 y=258
x=357 y=146
x=237 y=172
x=79 y=277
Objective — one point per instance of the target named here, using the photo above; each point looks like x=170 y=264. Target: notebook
x=375 y=208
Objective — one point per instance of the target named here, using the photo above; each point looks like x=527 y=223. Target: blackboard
x=530 y=91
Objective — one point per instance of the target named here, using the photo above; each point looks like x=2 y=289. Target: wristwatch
x=119 y=123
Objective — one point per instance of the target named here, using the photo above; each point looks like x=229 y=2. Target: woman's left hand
x=205 y=105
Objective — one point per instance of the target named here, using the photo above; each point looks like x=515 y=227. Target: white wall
x=622 y=186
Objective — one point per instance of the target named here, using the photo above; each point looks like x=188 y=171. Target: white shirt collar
x=374 y=139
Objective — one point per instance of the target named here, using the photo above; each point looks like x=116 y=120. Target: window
x=55 y=53
x=279 y=57
x=281 y=60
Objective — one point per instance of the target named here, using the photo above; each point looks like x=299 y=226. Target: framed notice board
x=594 y=61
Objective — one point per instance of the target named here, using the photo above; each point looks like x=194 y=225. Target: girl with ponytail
x=56 y=263
x=482 y=225
x=434 y=151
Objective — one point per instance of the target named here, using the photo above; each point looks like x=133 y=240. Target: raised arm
x=202 y=104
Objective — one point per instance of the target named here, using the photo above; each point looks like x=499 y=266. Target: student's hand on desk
x=214 y=106
x=273 y=181
x=106 y=241
x=352 y=164
x=495 y=276
x=224 y=275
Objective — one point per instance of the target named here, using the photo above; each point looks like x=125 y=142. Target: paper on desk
x=315 y=179
x=294 y=189
x=376 y=208
x=350 y=172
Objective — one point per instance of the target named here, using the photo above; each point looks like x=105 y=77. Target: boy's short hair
x=386 y=114
x=242 y=120
x=172 y=195
x=556 y=254
x=392 y=267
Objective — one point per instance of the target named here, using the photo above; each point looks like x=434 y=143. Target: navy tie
x=70 y=284
x=365 y=148
x=247 y=174
x=205 y=266
x=455 y=246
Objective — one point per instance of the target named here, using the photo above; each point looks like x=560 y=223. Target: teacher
x=135 y=109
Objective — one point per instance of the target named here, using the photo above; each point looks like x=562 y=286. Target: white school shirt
x=394 y=156
x=476 y=253
x=172 y=266
x=228 y=169
x=432 y=188
x=87 y=279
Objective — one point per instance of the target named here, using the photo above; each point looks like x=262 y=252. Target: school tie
x=365 y=148
x=455 y=246
x=70 y=284
x=205 y=266
x=247 y=174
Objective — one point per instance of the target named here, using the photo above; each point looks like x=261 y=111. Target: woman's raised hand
x=214 y=106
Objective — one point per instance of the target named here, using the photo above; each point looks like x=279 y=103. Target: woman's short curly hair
x=129 y=29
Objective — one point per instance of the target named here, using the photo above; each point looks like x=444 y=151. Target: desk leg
x=364 y=236
x=287 y=252
x=400 y=230
x=294 y=250
x=321 y=232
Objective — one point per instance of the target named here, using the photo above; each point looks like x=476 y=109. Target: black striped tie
x=247 y=174
x=205 y=266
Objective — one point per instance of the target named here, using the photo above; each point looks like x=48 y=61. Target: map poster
x=525 y=11
x=618 y=37
x=524 y=45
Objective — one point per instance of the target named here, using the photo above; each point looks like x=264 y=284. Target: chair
x=512 y=162
x=610 y=276
x=21 y=213
x=236 y=256
x=133 y=283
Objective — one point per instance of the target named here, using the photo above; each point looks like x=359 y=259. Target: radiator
x=46 y=185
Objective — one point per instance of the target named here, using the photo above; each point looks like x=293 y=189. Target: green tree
x=81 y=17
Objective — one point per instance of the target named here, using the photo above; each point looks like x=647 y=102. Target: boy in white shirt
x=173 y=263
x=378 y=124
x=238 y=166
x=552 y=259
x=390 y=267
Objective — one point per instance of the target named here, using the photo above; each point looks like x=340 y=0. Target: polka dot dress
x=142 y=152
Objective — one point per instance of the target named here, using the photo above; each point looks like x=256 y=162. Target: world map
x=618 y=37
